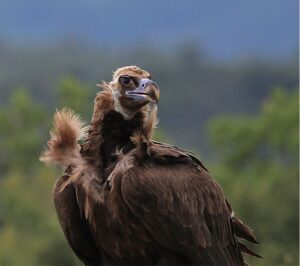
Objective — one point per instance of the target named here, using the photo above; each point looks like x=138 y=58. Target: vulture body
x=128 y=200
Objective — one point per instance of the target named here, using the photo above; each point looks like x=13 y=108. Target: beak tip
x=153 y=91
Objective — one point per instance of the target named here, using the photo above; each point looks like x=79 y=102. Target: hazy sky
x=223 y=28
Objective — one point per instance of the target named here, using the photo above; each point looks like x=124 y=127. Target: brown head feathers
x=131 y=71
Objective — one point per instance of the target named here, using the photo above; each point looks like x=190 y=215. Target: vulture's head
x=133 y=90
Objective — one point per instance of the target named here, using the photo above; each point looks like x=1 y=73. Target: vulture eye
x=125 y=80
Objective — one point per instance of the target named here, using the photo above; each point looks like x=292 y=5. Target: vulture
x=126 y=199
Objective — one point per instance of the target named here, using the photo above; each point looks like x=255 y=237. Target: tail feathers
x=243 y=231
x=62 y=146
x=248 y=251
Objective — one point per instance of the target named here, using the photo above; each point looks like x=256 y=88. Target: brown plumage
x=128 y=200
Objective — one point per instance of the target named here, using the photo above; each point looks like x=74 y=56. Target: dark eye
x=125 y=80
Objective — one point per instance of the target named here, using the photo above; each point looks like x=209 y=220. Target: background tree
x=258 y=169
x=29 y=230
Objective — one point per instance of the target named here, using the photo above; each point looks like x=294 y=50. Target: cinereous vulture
x=125 y=199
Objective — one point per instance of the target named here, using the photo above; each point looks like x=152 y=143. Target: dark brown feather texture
x=126 y=199
x=243 y=231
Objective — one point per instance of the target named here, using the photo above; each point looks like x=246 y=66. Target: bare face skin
x=131 y=93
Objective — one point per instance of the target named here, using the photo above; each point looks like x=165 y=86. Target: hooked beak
x=146 y=91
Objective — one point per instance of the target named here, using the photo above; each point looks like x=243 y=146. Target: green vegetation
x=258 y=169
x=29 y=230
x=256 y=162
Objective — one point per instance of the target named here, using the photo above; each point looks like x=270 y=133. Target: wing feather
x=184 y=210
x=74 y=226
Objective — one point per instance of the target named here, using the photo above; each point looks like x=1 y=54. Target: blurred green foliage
x=258 y=169
x=29 y=230
x=76 y=96
x=256 y=163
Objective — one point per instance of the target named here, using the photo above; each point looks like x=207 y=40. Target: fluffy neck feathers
x=109 y=130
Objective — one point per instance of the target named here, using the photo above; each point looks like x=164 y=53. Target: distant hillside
x=193 y=88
